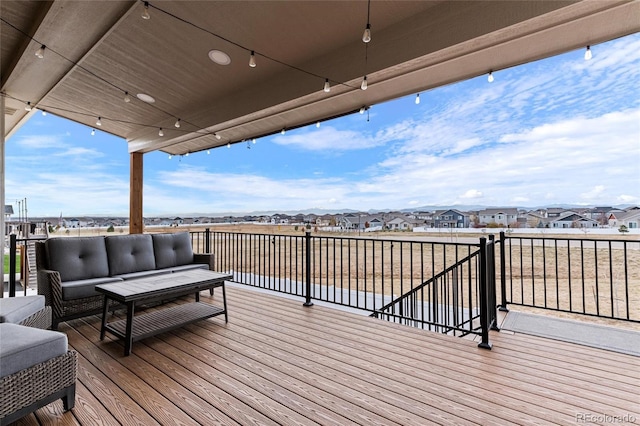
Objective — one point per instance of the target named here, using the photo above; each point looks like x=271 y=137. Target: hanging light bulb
x=145 y=12
x=28 y=106
x=187 y=154
x=282 y=132
x=327 y=86
x=93 y=132
x=366 y=36
x=170 y=156
x=364 y=85
x=587 y=54
x=228 y=144
x=362 y=110
x=490 y=78
x=418 y=99
x=99 y=122
x=208 y=152
x=44 y=112
x=252 y=59
x=177 y=123
x=127 y=98
x=40 y=52
x=318 y=124
x=217 y=136
x=254 y=141
x=160 y=132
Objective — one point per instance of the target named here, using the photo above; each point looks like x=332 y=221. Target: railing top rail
x=253 y=233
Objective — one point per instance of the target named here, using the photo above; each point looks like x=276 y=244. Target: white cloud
x=329 y=139
x=472 y=193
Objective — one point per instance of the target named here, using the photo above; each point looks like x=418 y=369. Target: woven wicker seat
x=30 y=379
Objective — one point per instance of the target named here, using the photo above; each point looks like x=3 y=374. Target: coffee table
x=157 y=288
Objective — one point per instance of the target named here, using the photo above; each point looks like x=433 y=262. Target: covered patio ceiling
x=95 y=51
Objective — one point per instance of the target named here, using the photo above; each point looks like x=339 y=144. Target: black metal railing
x=582 y=276
x=15 y=244
x=398 y=280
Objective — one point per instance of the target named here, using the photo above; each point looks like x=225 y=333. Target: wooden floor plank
x=276 y=362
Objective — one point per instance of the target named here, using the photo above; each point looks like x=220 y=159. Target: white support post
x=2 y=169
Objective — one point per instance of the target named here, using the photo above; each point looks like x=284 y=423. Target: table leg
x=224 y=299
x=197 y=296
x=105 y=311
x=128 y=339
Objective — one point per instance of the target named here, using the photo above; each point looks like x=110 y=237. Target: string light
x=44 y=113
x=366 y=36
x=208 y=152
x=99 y=122
x=177 y=123
x=160 y=132
x=252 y=59
x=217 y=136
x=170 y=156
x=229 y=145
x=327 y=86
x=587 y=54
x=418 y=99
x=93 y=132
x=28 y=106
x=145 y=12
x=187 y=154
x=490 y=78
x=254 y=141
x=127 y=98
x=364 y=85
x=318 y=124
x=282 y=132
x=362 y=110
x=40 y=52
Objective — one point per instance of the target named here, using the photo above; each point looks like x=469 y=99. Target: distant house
x=506 y=217
x=554 y=212
x=400 y=223
x=8 y=211
x=629 y=218
x=451 y=218
x=573 y=220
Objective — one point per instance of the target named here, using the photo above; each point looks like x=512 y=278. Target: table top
x=162 y=284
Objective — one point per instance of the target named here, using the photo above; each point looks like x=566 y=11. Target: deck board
x=277 y=362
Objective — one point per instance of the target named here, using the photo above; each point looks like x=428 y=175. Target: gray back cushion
x=130 y=253
x=78 y=258
x=172 y=249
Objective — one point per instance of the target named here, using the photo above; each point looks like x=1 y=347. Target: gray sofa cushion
x=78 y=258
x=130 y=253
x=84 y=288
x=16 y=309
x=23 y=347
x=189 y=267
x=172 y=249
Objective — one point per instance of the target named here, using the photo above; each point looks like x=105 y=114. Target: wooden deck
x=277 y=362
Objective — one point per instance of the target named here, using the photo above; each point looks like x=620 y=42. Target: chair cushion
x=23 y=347
x=189 y=267
x=84 y=288
x=130 y=253
x=16 y=309
x=78 y=258
x=172 y=249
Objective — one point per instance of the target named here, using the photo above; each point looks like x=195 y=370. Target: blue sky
x=558 y=131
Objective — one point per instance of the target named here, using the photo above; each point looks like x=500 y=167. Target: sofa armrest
x=50 y=286
x=207 y=259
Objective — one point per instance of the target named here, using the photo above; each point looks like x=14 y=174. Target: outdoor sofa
x=70 y=268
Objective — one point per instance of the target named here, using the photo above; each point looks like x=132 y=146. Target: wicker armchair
x=36 y=368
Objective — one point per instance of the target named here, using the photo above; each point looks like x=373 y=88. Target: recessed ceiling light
x=145 y=98
x=219 y=57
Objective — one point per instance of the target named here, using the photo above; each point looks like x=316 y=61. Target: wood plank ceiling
x=97 y=51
